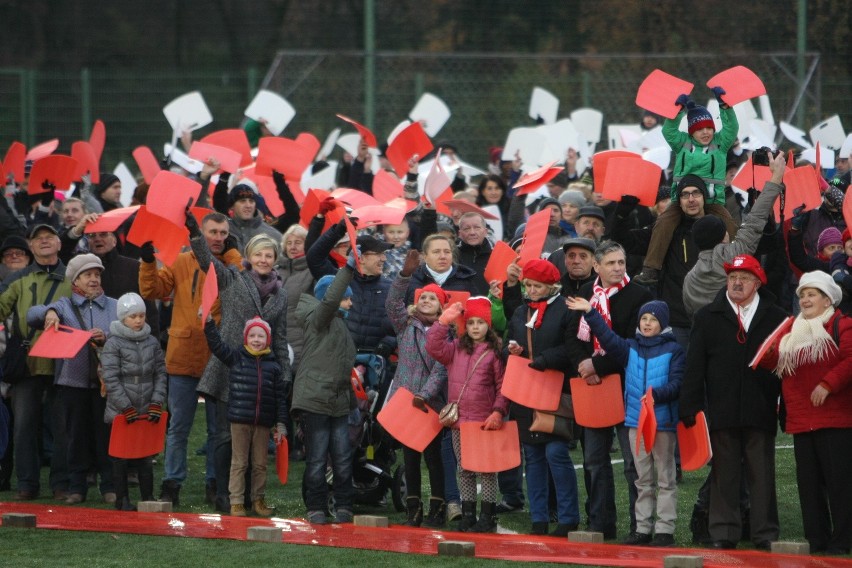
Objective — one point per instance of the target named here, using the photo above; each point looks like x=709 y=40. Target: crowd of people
x=675 y=299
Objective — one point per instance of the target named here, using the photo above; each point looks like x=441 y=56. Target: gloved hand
x=146 y=252
x=192 y=224
x=718 y=92
x=682 y=100
x=327 y=205
x=412 y=261
x=493 y=422
x=450 y=314
x=130 y=414
x=47 y=197
x=798 y=218
x=418 y=402
x=22 y=202
x=538 y=364
x=627 y=204
x=383 y=350
x=280 y=432
x=155 y=410
x=688 y=421
x=230 y=243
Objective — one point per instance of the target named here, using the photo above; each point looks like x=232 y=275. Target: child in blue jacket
x=653 y=359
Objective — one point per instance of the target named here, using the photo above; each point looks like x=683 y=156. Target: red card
x=354 y=198
x=408 y=425
x=441 y=203
x=234 y=139
x=402 y=203
x=282 y=155
x=601 y=163
x=266 y=187
x=16 y=155
x=647 y=427
x=43 y=150
x=530 y=182
x=490 y=451
x=694 y=443
x=63 y=343
x=386 y=187
x=167 y=237
x=169 y=196
x=309 y=142
x=740 y=84
x=200 y=213
x=752 y=176
x=353 y=242
x=98 y=139
x=628 y=176
x=55 y=169
x=468 y=207
x=502 y=255
x=210 y=293
x=138 y=440
x=229 y=160
x=373 y=215
x=282 y=460
x=539 y=390
x=111 y=220
x=412 y=140
x=87 y=161
x=310 y=208
x=366 y=134
x=148 y=164
x=598 y=406
x=802 y=189
x=535 y=233
x=659 y=91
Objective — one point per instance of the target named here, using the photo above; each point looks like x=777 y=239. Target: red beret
x=478 y=307
x=542 y=271
x=435 y=289
x=749 y=264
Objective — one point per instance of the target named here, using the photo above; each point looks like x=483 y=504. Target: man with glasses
x=740 y=403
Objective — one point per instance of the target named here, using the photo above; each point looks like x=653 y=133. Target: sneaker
x=563 y=529
x=663 y=539
x=648 y=277
x=317 y=517
x=74 y=499
x=343 y=516
x=637 y=539
x=539 y=528
x=261 y=509
x=505 y=507
x=238 y=510
x=109 y=498
x=454 y=511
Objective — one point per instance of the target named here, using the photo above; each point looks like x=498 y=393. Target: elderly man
x=740 y=403
x=590 y=223
x=474 y=250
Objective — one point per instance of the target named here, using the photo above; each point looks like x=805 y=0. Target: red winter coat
x=836 y=373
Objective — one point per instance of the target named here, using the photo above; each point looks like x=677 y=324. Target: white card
x=432 y=112
x=559 y=137
x=826 y=156
x=496 y=225
x=829 y=133
x=794 y=135
x=613 y=133
x=182 y=159
x=766 y=109
x=273 y=108
x=328 y=145
x=660 y=155
x=543 y=105
x=188 y=112
x=349 y=143
x=128 y=183
x=588 y=122
x=528 y=141
x=323 y=179
x=846 y=149
x=653 y=139
x=761 y=134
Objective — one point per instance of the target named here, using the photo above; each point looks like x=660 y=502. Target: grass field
x=60 y=548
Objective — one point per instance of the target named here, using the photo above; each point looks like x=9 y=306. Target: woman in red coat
x=815 y=365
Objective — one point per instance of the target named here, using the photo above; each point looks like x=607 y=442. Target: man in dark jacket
x=474 y=250
x=612 y=293
x=438 y=268
x=740 y=403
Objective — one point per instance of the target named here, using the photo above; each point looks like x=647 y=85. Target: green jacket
x=323 y=380
x=24 y=289
x=707 y=163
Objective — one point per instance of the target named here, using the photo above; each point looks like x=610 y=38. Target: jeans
x=554 y=457
x=451 y=482
x=434 y=464
x=599 y=479
x=27 y=395
x=183 y=400
x=325 y=437
x=511 y=484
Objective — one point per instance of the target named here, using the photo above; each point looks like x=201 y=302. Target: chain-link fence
x=487 y=94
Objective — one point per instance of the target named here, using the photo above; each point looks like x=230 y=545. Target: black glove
x=192 y=225
x=230 y=243
x=22 y=202
x=47 y=197
x=538 y=364
x=682 y=100
x=688 y=421
x=146 y=252
x=718 y=92
x=383 y=350
x=798 y=218
x=281 y=186
x=418 y=402
x=627 y=204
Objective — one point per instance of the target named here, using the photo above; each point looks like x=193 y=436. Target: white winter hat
x=823 y=282
x=129 y=304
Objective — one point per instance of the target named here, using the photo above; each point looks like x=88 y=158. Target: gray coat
x=240 y=301
x=298 y=280
x=134 y=370
x=244 y=231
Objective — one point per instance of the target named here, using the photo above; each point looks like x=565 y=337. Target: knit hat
x=708 y=232
x=129 y=304
x=829 y=236
x=547 y=201
x=80 y=264
x=747 y=263
x=245 y=189
x=322 y=287
x=106 y=180
x=691 y=180
x=664 y=193
x=16 y=242
x=435 y=289
x=658 y=309
x=560 y=180
x=834 y=197
x=541 y=270
x=257 y=322
x=823 y=282
x=573 y=196
x=698 y=117
x=478 y=307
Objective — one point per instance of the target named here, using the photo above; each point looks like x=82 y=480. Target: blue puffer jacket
x=655 y=362
x=256 y=391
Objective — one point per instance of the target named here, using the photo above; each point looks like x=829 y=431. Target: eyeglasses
x=741 y=278
x=690 y=194
x=13 y=253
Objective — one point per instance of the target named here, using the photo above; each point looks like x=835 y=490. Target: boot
x=699 y=524
x=146 y=483
x=210 y=492
x=124 y=504
x=437 y=516
x=487 y=522
x=170 y=491
x=414 y=506
x=238 y=510
x=259 y=506
x=468 y=516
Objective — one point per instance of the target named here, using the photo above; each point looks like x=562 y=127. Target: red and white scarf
x=600 y=302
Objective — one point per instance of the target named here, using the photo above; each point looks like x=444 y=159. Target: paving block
x=154 y=506
x=785 y=547
x=456 y=548
x=19 y=520
x=586 y=536
x=265 y=534
x=683 y=561
x=370 y=521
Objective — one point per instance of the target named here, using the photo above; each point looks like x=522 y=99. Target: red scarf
x=600 y=302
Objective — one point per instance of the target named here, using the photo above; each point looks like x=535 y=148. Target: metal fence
x=487 y=93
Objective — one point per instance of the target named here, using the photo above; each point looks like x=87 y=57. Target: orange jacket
x=187 y=352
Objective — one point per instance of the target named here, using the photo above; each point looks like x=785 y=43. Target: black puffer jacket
x=256 y=392
x=476 y=258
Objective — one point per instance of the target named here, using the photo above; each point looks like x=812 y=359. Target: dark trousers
x=600 y=481
x=144 y=469
x=823 y=474
x=28 y=401
x=87 y=437
x=434 y=464
x=733 y=450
